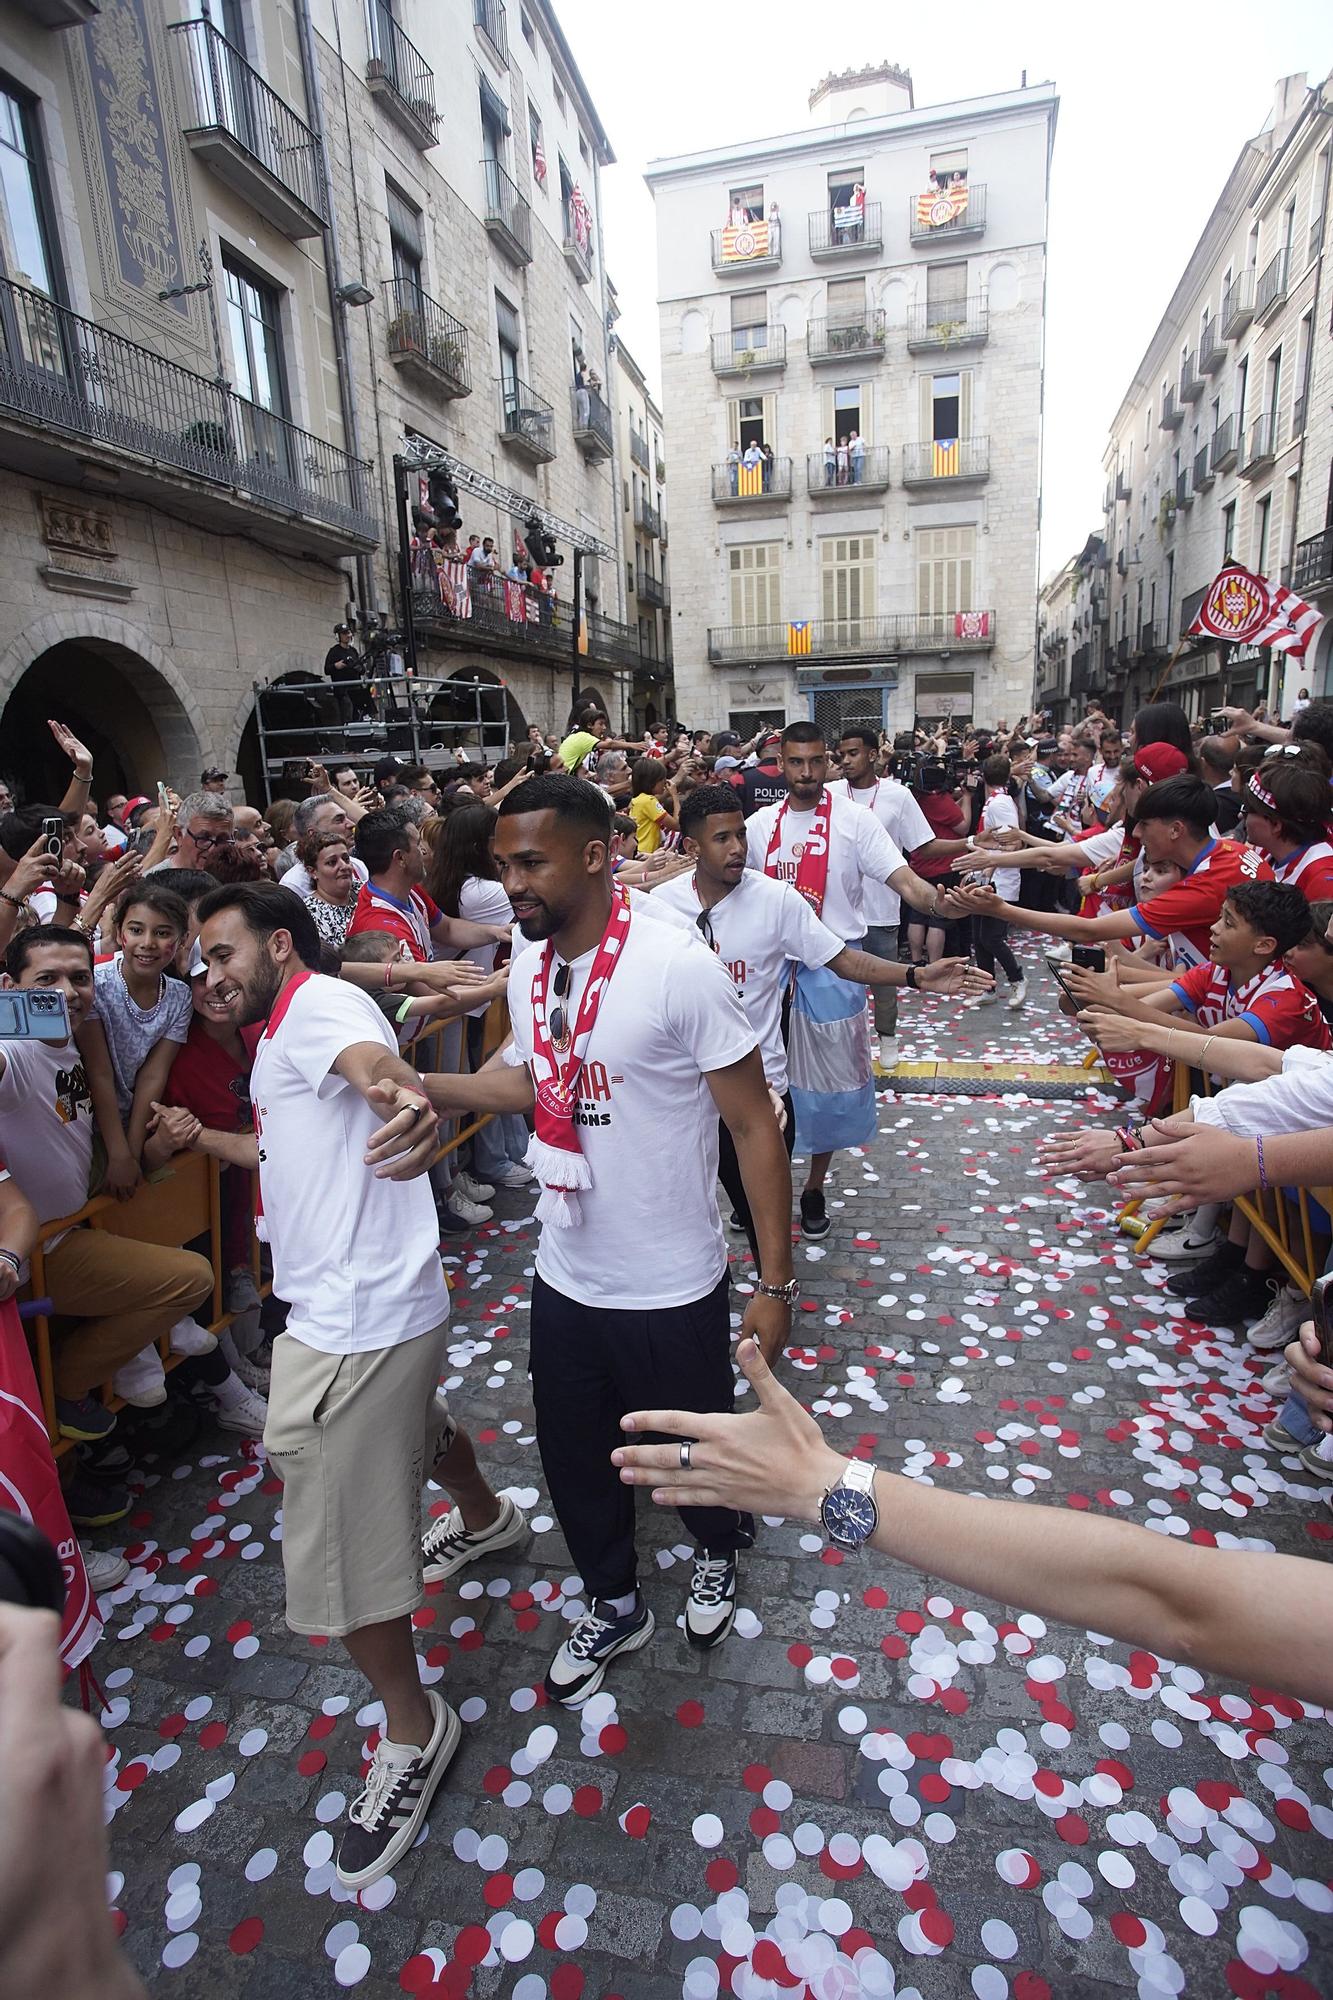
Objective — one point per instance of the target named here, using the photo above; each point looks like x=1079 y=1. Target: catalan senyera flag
x=749 y=478
x=939 y=206
x=798 y=635
x=742 y=240
x=944 y=458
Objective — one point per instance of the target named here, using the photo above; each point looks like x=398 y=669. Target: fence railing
x=489 y=16
x=836 y=339
x=959 y=323
x=527 y=418
x=399 y=62
x=928 y=222
x=846 y=471
x=836 y=229
x=770 y=479
x=946 y=458
x=738 y=350
x=835 y=638
x=420 y=328
x=506 y=210
x=593 y=423
x=231 y=97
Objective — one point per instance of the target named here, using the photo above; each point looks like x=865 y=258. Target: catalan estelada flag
x=749 y=478
x=798 y=635
x=944 y=458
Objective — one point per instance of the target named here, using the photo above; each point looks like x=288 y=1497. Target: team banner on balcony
x=939 y=206
x=971 y=624
x=1245 y=609
x=744 y=239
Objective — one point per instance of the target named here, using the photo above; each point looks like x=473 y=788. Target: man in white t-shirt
x=760 y=928
x=859 y=851
x=990 y=935
x=356 y=1420
x=629 y=1043
x=911 y=832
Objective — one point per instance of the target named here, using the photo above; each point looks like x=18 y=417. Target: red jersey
x=1187 y=913
x=1283 y=1012
x=947 y=821
x=411 y=922
x=1310 y=869
x=207 y=1079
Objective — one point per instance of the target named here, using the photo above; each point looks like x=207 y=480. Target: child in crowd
x=413 y=1014
x=650 y=816
x=991 y=934
x=624 y=841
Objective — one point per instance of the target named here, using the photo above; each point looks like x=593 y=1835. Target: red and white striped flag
x=538 y=160
x=1246 y=609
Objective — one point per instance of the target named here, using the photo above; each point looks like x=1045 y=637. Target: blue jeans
x=1294 y=1416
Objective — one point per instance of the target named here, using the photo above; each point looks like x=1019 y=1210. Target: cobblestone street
x=872 y=1787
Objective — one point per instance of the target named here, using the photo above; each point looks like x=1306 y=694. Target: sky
x=1155 y=104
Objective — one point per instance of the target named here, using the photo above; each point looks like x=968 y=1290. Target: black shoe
x=451 y=1224
x=580 y=1665
x=111 y=1461
x=814 y=1215
x=94 y=1504
x=1200 y=1279
x=386 y=1819
x=1239 y=1300
x=735 y=1225
x=84 y=1418
x=710 y=1607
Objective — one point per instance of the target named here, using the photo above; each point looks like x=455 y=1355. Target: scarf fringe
x=555 y=1167
x=560 y=1207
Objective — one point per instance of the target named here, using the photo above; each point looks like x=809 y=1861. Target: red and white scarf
x=812 y=858
x=554 y=1152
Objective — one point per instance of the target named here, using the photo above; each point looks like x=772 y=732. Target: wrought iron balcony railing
x=1260 y=447
x=489 y=18
x=651 y=590
x=859 y=338
x=844 y=475
x=250 y=137
x=1272 y=286
x=1238 y=306
x=736 y=484
x=508 y=216
x=646 y=516
x=747 y=350
x=66 y=374
x=578 y=240
x=968 y=218
x=425 y=340
x=401 y=77
x=1203 y=470
x=1191 y=382
x=638 y=448
x=750 y=246
x=946 y=459
x=1172 y=416
x=1212 y=347
x=841 y=638
x=963 y=323
x=841 y=232
x=1222 y=452
x=1314 y=561
x=527 y=422
x=594 y=426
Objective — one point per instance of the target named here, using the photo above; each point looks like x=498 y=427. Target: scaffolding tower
x=421 y=719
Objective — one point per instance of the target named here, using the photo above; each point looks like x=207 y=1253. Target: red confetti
x=690 y=1714
x=587 y=1801
x=246 y=1936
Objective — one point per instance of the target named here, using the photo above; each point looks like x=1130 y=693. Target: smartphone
x=1092 y=957
x=1218 y=723
x=33 y=1014
x=53 y=836
x=1057 y=968
x=1319 y=1313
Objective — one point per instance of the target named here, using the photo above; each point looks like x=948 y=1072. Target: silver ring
x=685 y=1458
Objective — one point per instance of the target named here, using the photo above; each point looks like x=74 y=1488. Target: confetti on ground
x=879 y=1785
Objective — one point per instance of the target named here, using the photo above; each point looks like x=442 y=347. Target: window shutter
x=404 y=219
x=866 y=393
x=771 y=422
x=927 y=406
x=733 y=422
x=506 y=322
x=827 y=418
x=965 y=404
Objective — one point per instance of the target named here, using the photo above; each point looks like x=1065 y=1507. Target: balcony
x=1172 y=416
x=935 y=329
x=1191 y=382
x=1184 y=489
x=169 y=436
x=488 y=18
x=613 y=641
x=742 y=247
x=946 y=462
x=1124 y=647
x=751 y=485
x=1238 y=306
x=527 y=423
x=1203 y=474
x=638 y=448
x=842 y=340
x=250 y=138
x=1222 y=454
x=948 y=215
x=1260 y=446
x=651 y=591
x=1152 y=638
x=426 y=342
x=826 y=479
x=506 y=215
x=1123 y=488
x=749 y=350
x=1272 y=287
x=853 y=638
x=594 y=426
x=1313 y=563
x=1212 y=349
x=63 y=13
x=501 y=616
x=647 y=517
x=846 y=232
x=578 y=239
x=399 y=75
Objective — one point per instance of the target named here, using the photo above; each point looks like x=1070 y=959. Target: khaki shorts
x=353 y=1438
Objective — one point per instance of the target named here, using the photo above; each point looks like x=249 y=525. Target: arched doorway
x=476 y=712
x=135 y=722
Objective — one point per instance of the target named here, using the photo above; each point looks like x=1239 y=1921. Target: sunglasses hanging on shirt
x=559 y=1017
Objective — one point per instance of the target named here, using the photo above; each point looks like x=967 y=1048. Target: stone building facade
x=879 y=276
x=1221 y=448
x=242 y=254
x=641 y=456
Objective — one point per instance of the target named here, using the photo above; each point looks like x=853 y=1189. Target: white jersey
x=860 y=851
x=907 y=827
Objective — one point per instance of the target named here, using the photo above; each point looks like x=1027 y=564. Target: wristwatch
x=788 y=1293
x=911 y=979
x=848 y=1511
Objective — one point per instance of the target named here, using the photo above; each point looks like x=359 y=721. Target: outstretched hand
x=953 y=975
x=80 y=756
x=1201 y=1164
x=406 y=1144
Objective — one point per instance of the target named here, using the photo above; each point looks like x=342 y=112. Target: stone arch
x=104 y=676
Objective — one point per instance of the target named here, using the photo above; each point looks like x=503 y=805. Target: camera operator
x=344 y=666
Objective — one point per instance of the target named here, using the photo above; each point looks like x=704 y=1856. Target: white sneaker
x=142 y=1381
x=514 y=1175
x=1280 y=1324
x=188 y=1337
x=1277 y=1382
x=888 y=1051
x=246 y=1416
x=985 y=999
x=252 y=1368
x=448 y=1546
x=1017 y=995
x=105 y=1571
x=1182 y=1246
x=466 y=1211
x=1060 y=950
x=473 y=1190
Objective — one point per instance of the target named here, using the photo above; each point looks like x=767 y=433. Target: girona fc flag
x=1245 y=609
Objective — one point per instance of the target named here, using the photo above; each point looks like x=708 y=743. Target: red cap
x=132 y=805
x=1157 y=761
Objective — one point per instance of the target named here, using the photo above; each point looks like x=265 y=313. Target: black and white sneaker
x=448 y=1546
x=710 y=1607
x=579 y=1668
x=814 y=1214
x=400 y=1784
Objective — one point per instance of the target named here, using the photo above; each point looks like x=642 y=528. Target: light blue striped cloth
x=830 y=1063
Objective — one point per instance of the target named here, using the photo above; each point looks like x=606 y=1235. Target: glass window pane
x=24 y=237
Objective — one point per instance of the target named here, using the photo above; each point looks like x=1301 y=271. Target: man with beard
x=629 y=1040
x=356 y=1420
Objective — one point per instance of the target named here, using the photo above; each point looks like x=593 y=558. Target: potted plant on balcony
x=208 y=435
x=660 y=469
x=446 y=355
x=405 y=333
x=1166 y=514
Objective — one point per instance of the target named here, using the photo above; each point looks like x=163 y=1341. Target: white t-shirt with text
x=860 y=851
x=46 y=1126
x=1001 y=814
x=907 y=827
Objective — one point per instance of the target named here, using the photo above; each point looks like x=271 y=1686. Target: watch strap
x=859 y=1474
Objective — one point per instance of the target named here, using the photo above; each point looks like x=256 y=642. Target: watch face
x=849 y=1517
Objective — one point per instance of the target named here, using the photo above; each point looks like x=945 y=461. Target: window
x=847 y=580
x=225 y=16
x=529 y=35
x=584 y=154
x=1304 y=356
x=1319 y=199
x=1262 y=515
x=949 y=166
x=749 y=320
x=1273 y=389
x=495 y=126
x=254 y=318
x=846 y=301
x=1229 y=531
x=946 y=408
x=752 y=420
x=756 y=583
x=746 y=204
x=558 y=94
x=1242 y=386
x=508 y=335
x=536 y=147
x=847 y=412
x=946 y=293
x=945 y=563
x=405 y=244
x=27 y=236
